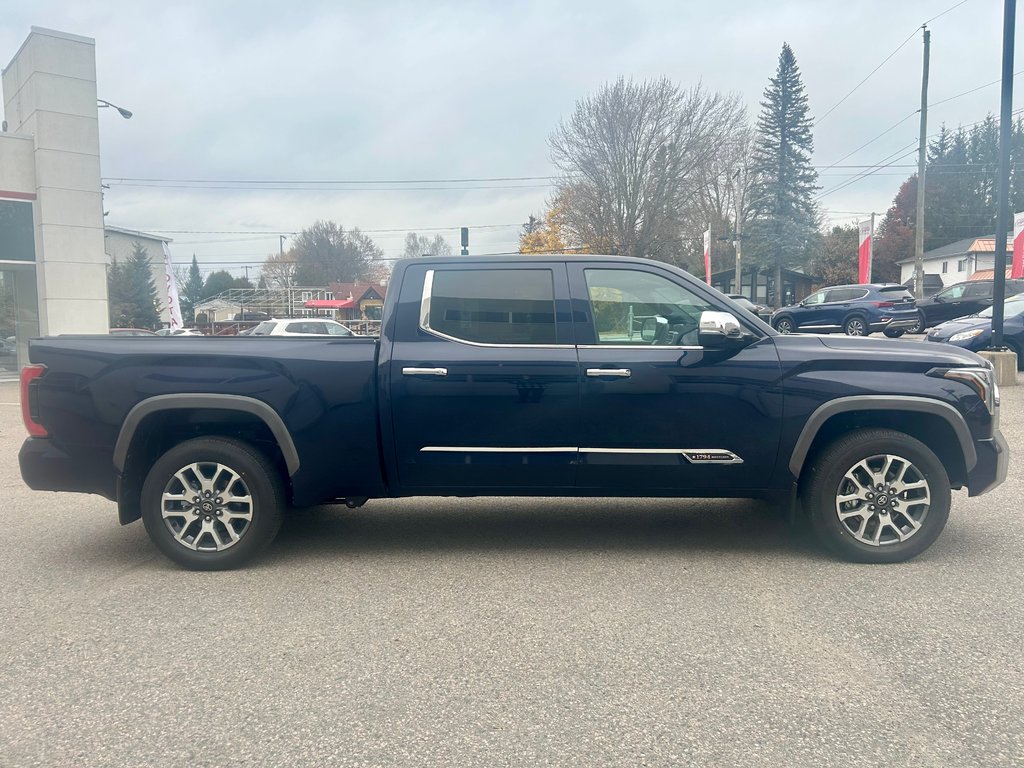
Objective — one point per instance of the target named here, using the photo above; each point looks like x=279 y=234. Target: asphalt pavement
x=510 y=632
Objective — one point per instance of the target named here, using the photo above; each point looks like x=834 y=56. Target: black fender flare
x=200 y=401
x=904 y=403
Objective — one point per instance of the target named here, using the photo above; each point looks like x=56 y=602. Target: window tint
x=307 y=326
x=846 y=294
x=895 y=292
x=622 y=300
x=263 y=329
x=953 y=292
x=494 y=306
x=334 y=329
x=815 y=298
x=978 y=291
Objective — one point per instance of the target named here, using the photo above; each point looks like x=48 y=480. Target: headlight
x=965 y=335
x=981 y=380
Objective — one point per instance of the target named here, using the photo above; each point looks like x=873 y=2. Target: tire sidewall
x=823 y=486
x=787 y=320
x=863 y=322
x=254 y=470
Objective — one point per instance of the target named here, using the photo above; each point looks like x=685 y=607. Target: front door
x=659 y=413
x=484 y=381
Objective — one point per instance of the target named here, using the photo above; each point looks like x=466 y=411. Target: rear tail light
x=29 y=408
x=883 y=304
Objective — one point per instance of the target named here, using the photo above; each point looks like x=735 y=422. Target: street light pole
x=101 y=103
x=921 y=157
x=1003 y=196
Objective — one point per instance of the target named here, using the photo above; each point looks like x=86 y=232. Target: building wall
x=49 y=92
x=954 y=273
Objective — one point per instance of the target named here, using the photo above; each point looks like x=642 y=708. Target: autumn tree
x=630 y=158
x=835 y=260
x=784 y=224
x=421 y=245
x=547 y=233
x=279 y=270
x=325 y=252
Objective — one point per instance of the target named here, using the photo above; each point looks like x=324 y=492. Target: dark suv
x=959 y=300
x=856 y=310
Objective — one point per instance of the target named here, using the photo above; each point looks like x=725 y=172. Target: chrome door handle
x=425 y=371
x=622 y=373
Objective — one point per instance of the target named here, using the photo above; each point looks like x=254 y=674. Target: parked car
x=481 y=385
x=131 y=332
x=856 y=310
x=178 y=332
x=302 y=327
x=257 y=316
x=758 y=310
x=974 y=332
x=960 y=300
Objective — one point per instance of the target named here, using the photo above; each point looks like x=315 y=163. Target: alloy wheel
x=207 y=507
x=855 y=327
x=883 y=500
x=784 y=326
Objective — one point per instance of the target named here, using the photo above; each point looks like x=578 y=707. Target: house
x=218 y=309
x=954 y=262
x=358 y=301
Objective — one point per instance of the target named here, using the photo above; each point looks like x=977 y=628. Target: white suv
x=301 y=327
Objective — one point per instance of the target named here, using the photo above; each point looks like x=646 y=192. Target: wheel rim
x=784 y=326
x=207 y=507
x=883 y=500
x=854 y=327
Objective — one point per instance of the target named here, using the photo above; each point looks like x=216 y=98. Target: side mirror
x=719 y=330
x=937 y=299
x=654 y=329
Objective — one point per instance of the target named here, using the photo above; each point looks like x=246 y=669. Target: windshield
x=1012 y=309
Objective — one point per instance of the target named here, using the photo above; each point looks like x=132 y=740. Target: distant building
x=119 y=244
x=955 y=262
x=758 y=285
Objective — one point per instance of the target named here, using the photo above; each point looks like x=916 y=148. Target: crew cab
x=516 y=376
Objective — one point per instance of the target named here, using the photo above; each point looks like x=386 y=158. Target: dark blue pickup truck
x=516 y=376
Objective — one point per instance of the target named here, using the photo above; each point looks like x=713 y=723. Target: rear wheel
x=855 y=326
x=919 y=327
x=212 y=503
x=877 y=496
x=784 y=325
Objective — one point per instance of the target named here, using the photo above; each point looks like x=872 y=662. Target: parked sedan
x=856 y=310
x=302 y=327
x=975 y=332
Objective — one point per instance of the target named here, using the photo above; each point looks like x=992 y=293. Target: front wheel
x=855 y=326
x=784 y=325
x=876 y=496
x=894 y=333
x=212 y=503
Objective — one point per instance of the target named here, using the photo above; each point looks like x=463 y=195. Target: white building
x=119 y=244
x=52 y=260
x=957 y=261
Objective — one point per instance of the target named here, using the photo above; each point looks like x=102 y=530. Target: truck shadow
x=572 y=525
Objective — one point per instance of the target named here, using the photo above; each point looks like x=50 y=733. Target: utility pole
x=922 y=148
x=871 y=247
x=1003 y=196
x=739 y=202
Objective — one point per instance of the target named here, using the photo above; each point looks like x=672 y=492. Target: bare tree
x=279 y=270
x=421 y=245
x=633 y=158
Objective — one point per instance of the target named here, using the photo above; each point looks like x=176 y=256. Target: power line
x=951 y=8
x=324 y=189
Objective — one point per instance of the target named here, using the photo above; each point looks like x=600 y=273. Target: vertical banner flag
x=1017 y=269
x=864 y=267
x=707 y=256
x=173 y=307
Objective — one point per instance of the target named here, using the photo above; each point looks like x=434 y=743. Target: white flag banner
x=173 y=305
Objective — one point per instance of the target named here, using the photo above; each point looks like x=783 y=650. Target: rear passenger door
x=977 y=296
x=483 y=385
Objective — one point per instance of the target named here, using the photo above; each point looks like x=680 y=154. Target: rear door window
x=978 y=291
x=492 y=306
x=845 y=294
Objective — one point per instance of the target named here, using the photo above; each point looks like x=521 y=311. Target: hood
x=911 y=351
x=947 y=329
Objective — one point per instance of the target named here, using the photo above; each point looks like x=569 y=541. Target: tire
x=784 y=325
x=234 y=531
x=910 y=524
x=894 y=333
x=920 y=327
x=856 y=326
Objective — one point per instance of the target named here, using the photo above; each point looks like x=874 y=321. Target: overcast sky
x=349 y=91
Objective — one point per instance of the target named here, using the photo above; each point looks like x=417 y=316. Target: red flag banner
x=864 y=252
x=1017 y=270
x=707 y=256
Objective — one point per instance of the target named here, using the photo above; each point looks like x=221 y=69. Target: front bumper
x=993 y=464
x=45 y=467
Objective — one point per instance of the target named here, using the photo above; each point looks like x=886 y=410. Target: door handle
x=622 y=373
x=425 y=371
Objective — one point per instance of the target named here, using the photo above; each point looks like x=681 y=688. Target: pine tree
x=784 y=226
x=191 y=292
x=139 y=279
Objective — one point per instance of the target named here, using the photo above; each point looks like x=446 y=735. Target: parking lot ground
x=510 y=632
